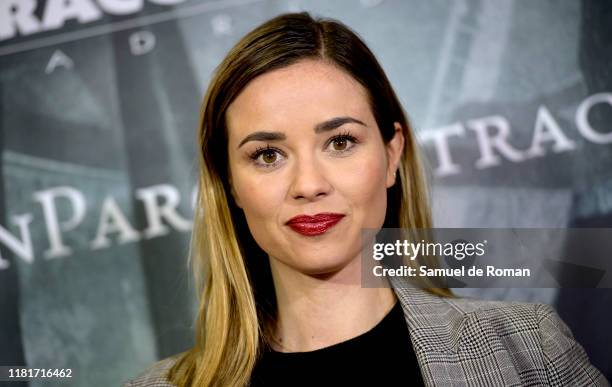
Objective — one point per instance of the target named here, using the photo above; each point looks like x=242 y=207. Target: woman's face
x=303 y=141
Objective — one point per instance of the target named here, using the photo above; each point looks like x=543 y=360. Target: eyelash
x=347 y=136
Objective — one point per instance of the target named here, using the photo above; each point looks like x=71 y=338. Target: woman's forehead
x=302 y=93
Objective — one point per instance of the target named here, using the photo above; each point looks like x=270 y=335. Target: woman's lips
x=314 y=225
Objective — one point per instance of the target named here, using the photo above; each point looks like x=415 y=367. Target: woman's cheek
x=259 y=197
x=365 y=176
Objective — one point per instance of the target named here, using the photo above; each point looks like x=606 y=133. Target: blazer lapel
x=438 y=330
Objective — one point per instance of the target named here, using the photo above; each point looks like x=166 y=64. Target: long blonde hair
x=236 y=299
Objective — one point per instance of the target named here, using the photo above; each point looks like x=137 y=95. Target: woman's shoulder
x=427 y=305
x=451 y=320
x=510 y=315
x=469 y=305
x=533 y=336
x=155 y=374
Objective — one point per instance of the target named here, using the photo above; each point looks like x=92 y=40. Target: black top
x=382 y=356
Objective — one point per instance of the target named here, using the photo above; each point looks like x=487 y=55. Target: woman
x=304 y=144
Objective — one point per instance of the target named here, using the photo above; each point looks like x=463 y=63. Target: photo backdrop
x=512 y=102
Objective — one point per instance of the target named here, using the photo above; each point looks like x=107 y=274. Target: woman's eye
x=265 y=156
x=343 y=142
x=269 y=157
x=340 y=144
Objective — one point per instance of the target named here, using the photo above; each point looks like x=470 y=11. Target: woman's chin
x=326 y=269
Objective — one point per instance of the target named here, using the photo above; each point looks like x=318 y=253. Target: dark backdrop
x=98 y=114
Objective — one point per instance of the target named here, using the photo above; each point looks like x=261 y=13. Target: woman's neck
x=318 y=311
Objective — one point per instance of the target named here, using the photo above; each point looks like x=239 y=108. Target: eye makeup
x=268 y=150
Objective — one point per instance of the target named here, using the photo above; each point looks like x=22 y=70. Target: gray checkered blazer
x=466 y=342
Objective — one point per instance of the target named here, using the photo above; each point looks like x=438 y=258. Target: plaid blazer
x=467 y=342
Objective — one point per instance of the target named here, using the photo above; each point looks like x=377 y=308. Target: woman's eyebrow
x=324 y=126
x=263 y=136
x=334 y=123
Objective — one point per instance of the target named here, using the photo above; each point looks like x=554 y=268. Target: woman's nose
x=309 y=180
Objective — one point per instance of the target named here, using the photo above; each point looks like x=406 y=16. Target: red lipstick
x=314 y=225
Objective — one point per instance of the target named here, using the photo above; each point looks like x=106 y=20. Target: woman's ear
x=395 y=147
